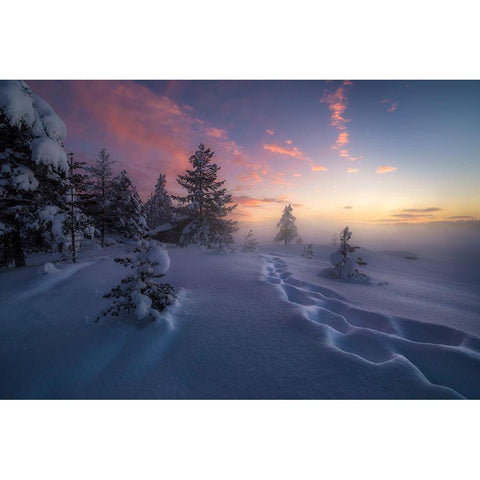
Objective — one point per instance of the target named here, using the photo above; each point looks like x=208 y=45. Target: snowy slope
x=266 y=325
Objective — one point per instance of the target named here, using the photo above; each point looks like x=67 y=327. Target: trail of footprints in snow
x=443 y=355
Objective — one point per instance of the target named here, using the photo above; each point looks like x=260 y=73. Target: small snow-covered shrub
x=343 y=261
x=140 y=292
x=48 y=268
x=308 y=251
x=250 y=244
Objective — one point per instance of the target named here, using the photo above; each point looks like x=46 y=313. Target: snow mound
x=48 y=268
x=143 y=305
x=158 y=257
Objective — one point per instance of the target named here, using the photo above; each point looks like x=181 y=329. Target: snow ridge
x=435 y=352
x=53 y=278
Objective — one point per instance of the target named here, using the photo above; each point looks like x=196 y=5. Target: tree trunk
x=18 y=254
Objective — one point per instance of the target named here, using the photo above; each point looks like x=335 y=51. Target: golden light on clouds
x=386 y=169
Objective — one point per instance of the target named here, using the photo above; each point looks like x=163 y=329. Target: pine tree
x=287 y=228
x=250 y=244
x=125 y=209
x=100 y=186
x=299 y=240
x=158 y=208
x=308 y=251
x=206 y=204
x=344 y=264
x=140 y=293
x=33 y=174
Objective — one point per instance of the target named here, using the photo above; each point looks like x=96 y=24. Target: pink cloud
x=393 y=104
x=337 y=104
x=255 y=172
x=341 y=141
x=386 y=169
x=279 y=179
x=289 y=142
x=250 y=177
x=145 y=133
x=393 y=107
x=352 y=170
x=270 y=131
x=289 y=151
x=216 y=132
x=319 y=168
x=297 y=174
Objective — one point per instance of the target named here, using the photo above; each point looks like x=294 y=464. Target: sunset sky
x=368 y=151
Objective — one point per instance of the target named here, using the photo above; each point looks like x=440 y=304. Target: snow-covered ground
x=266 y=325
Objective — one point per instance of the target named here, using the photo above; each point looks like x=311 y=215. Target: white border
x=243 y=40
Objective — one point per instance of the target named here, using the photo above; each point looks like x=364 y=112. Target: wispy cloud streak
x=337 y=104
x=386 y=169
x=289 y=151
x=393 y=105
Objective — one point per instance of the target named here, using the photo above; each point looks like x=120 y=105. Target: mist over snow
x=450 y=240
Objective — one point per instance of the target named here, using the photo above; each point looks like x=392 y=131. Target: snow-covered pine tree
x=344 y=264
x=100 y=186
x=308 y=251
x=125 y=210
x=287 y=228
x=299 y=240
x=158 y=208
x=250 y=244
x=205 y=205
x=33 y=174
x=222 y=229
x=140 y=292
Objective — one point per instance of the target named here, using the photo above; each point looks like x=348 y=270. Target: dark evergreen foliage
x=100 y=187
x=206 y=204
x=158 y=208
x=28 y=191
x=125 y=208
x=79 y=203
